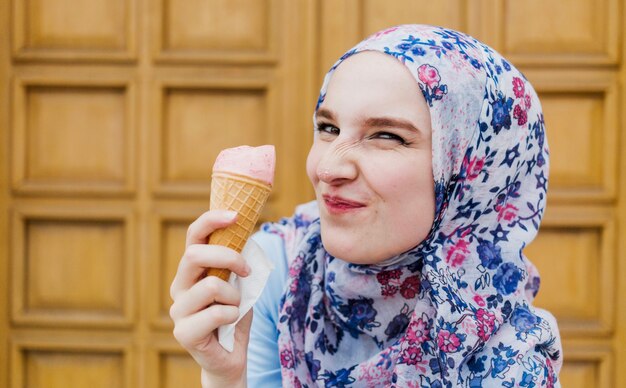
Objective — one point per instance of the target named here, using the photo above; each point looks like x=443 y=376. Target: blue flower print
x=506 y=278
x=360 y=313
x=504 y=357
x=340 y=380
x=477 y=364
x=312 y=364
x=489 y=254
x=524 y=321
x=533 y=285
x=397 y=326
x=501 y=113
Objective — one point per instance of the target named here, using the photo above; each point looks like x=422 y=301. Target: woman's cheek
x=312 y=162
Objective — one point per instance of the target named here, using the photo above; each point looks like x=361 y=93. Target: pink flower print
x=389 y=290
x=429 y=76
x=295 y=269
x=293 y=287
x=383 y=277
x=473 y=167
x=410 y=287
x=486 y=323
x=551 y=378
x=457 y=253
x=520 y=114
x=417 y=332
x=286 y=359
x=527 y=103
x=411 y=355
x=383 y=32
x=479 y=300
x=518 y=87
x=507 y=212
x=373 y=375
x=448 y=342
x=389 y=281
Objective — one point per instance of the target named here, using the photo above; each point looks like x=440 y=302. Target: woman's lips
x=339 y=205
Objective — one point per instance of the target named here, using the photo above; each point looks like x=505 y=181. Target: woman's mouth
x=339 y=205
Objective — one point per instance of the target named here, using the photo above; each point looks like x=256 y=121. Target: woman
x=430 y=170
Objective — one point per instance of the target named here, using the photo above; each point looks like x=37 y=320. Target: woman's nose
x=338 y=165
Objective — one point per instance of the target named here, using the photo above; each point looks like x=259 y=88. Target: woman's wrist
x=209 y=381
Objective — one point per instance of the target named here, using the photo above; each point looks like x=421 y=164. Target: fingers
x=199 y=230
x=198 y=258
x=199 y=327
x=202 y=294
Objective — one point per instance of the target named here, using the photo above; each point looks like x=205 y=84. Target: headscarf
x=455 y=310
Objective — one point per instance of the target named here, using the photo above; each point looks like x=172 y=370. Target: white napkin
x=250 y=288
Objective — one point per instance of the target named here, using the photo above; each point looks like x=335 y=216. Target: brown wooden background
x=112 y=112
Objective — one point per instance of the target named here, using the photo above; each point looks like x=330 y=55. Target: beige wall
x=112 y=112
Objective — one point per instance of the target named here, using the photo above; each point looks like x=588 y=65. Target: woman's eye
x=327 y=129
x=389 y=136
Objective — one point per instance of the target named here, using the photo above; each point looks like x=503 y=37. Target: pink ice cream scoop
x=254 y=162
x=242 y=180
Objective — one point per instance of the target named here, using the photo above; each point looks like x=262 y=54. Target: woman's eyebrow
x=391 y=122
x=325 y=113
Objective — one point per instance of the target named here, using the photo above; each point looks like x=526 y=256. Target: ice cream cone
x=246 y=196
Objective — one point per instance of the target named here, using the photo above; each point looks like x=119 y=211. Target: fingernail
x=247 y=269
x=230 y=214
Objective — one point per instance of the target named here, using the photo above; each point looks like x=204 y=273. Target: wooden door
x=112 y=114
x=112 y=111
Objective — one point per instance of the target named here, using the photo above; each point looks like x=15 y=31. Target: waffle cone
x=244 y=195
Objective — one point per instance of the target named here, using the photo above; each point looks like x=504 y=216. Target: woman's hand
x=202 y=304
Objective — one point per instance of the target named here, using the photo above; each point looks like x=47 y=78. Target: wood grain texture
x=111 y=113
x=61 y=30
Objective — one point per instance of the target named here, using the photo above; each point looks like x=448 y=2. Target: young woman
x=430 y=170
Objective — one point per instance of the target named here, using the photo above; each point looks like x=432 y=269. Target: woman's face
x=371 y=161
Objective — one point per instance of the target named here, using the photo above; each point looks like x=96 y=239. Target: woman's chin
x=354 y=253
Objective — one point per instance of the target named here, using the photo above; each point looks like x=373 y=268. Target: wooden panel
x=73 y=136
x=380 y=14
x=61 y=359
x=574 y=120
x=340 y=27
x=172 y=239
x=574 y=253
x=68 y=30
x=178 y=370
x=208 y=120
x=583 y=31
x=586 y=365
x=71 y=267
x=581 y=120
x=169 y=365
x=170 y=232
x=56 y=369
x=217 y=30
x=198 y=121
x=580 y=374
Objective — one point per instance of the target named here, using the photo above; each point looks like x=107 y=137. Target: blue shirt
x=263 y=357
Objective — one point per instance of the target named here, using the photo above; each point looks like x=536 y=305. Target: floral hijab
x=455 y=310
